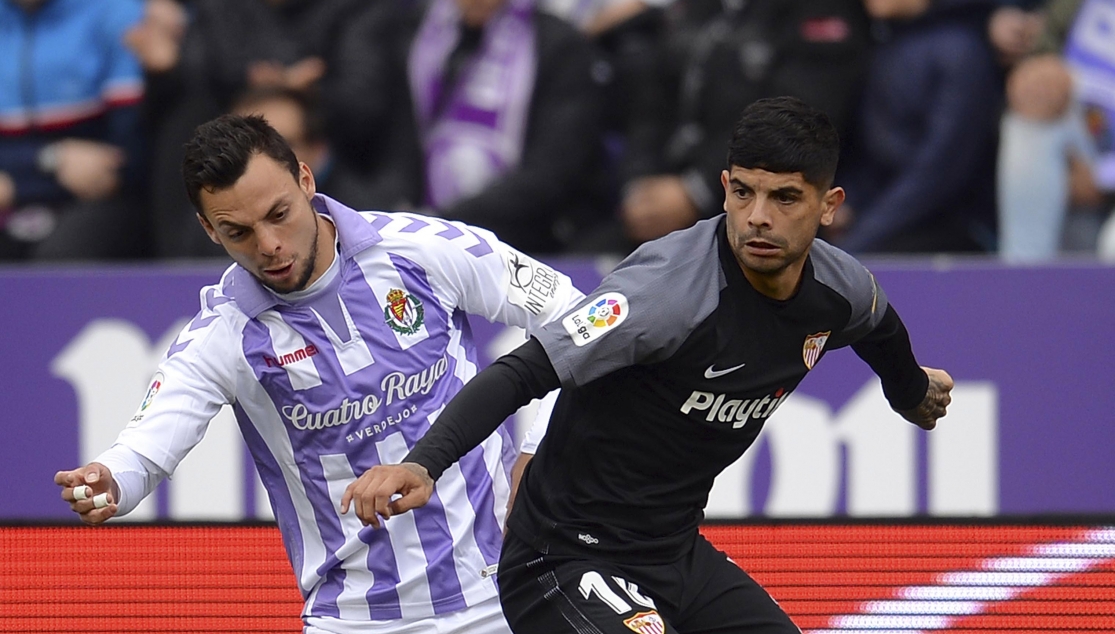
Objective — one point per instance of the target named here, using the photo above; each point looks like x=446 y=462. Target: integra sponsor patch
x=531 y=285
x=597 y=318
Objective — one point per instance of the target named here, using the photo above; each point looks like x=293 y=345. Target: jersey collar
x=354 y=233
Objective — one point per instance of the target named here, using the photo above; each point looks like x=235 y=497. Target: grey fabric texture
x=656 y=323
x=852 y=281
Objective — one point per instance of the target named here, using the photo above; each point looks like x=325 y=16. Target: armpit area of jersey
x=483 y=403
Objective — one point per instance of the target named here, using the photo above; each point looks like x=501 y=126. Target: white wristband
x=81 y=492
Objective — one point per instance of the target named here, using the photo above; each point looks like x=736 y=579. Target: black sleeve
x=887 y=350
x=483 y=403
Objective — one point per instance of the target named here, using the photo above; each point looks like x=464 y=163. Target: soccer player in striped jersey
x=337 y=337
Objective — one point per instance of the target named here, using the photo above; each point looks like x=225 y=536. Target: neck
x=326 y=239
x=780 y=285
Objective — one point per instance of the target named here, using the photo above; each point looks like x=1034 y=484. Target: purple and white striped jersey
x=349 y=377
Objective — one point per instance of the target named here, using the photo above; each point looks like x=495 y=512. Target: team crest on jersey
x=814 y=344
x=404 y=312
x=646 y=623
x=595 y=319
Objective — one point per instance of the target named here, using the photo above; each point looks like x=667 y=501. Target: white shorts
x=485 y=617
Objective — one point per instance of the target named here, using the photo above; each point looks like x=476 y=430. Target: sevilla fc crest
x=404 y=312
x=814 y=344
x=646 y=623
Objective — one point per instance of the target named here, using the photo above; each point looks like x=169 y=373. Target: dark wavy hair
x=218 y=153
x=786 y=135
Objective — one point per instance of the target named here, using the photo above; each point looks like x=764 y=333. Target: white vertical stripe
x=284 y=340
x=353 y=354
x=501 y=485
x=467 y=558
x=263 y=510
x=463 y=368
x=257 y=403
x=352 y=603
x=381 y=275
x=414 y=587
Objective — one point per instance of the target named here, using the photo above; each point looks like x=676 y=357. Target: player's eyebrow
x=738 y=183
x=788 y=189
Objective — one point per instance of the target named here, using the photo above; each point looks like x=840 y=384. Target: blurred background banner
x=1030 y=430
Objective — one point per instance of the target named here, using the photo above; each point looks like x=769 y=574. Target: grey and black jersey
x=669 y=370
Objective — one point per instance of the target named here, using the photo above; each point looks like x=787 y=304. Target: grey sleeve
x=845 y=275
x=642 y=311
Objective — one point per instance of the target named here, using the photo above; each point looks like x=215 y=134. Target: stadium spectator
x=921 y=161
x=1057 y=151
x=669 y=371
x=723 y=56
x=200 y=56
x=70 y=143
x=338 y=337
x=484 y=111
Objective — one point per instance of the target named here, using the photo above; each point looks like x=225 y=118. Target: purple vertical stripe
x=328 y=305
x=162 y=500
x=382 y=597
x=257 y=342
x=250 y=472
x=437 y=544
x=281 y=502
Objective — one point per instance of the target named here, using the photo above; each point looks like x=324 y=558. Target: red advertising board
x=829 y=577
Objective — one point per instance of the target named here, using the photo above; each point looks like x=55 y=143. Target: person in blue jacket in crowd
x=70 y=139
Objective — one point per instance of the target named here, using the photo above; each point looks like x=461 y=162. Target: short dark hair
x=784 y=135
x=218 y=154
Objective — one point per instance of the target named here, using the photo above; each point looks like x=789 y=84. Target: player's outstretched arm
x=371 y=494
x=936 y=401
x=91 y=491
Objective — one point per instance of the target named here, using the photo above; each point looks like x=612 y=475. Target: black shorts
x=702 y=593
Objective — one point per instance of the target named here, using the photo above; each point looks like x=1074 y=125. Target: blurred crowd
x=565 y=126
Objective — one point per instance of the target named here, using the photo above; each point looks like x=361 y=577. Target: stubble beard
x=307 y=272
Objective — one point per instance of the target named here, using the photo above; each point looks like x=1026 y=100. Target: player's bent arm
x=917 y=395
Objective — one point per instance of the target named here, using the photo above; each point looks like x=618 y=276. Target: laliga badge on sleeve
x=600 y=316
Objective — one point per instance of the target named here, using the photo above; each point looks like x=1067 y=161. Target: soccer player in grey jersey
x=669 y=370
x=337 y=337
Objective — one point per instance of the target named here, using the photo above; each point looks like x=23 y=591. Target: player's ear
x=724 y=183
x=830 y=202
x=209 y=230
x=306 y=180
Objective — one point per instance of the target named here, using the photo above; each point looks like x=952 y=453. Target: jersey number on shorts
x=593 y=582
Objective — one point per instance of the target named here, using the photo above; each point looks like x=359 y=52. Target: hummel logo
x=712 y=374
